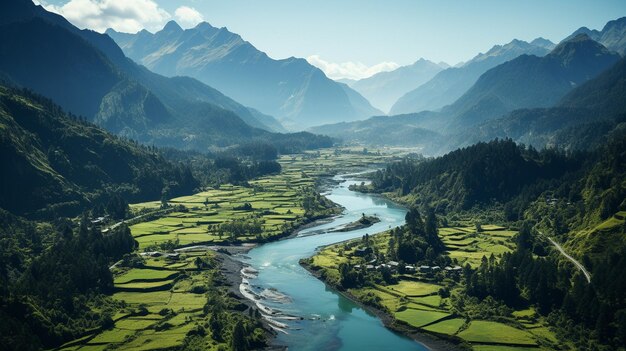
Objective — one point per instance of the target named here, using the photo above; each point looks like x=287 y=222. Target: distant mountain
x=449 y=84
x=582 y=119
x=606 y=93
x=402 y=130
x=385 y=88
x=347 y=81
x=59 y=165
x=88 y=74
x=529 y=81
x=613 y=35
x=291 y=89
x=579 y=119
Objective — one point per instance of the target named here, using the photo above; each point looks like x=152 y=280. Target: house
x=369 y=267
x=393 y=264
x=435 y=268
x=424 y=268
x=409 y=268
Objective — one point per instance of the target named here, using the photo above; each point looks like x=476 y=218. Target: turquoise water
x=329 y=321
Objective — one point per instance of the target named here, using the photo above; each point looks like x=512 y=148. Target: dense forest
x=52 y=279
x=502 y=173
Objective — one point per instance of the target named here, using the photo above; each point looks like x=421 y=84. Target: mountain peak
x=172 y=26
x=579 y=44
x=204 y=26
x=543 y=42
x=618 y=23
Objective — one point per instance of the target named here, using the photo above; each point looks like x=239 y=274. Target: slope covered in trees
x=52 y=278
x=63 y=164
x=477 y=175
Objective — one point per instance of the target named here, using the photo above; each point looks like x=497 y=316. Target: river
x=329 y=320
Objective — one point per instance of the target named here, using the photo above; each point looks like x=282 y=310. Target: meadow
x=160 y=302
x=277 y=202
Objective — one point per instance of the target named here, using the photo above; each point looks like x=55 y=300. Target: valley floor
x=166 y=294
x=425 y=299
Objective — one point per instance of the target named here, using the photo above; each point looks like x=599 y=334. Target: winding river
x=307 y=313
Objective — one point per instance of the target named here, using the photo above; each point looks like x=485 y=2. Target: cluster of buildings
x=394 y=266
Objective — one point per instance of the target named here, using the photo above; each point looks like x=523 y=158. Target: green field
x=414 y=299
x=139 y=331
x=448 y=326
x=469 y=246
x=419 y=318
x=413 y=288
x=492 y=332
x=276 y=202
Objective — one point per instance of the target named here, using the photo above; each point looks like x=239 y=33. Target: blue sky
x=361 y=33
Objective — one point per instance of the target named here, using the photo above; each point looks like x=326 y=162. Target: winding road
x=576 y=263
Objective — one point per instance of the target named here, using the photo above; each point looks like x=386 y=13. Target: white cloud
x=350 y=70
x=122 y=15
x=188 y=17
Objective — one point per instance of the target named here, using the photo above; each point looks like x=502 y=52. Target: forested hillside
x=477 y=175
x=52 y=278
x=64 y=164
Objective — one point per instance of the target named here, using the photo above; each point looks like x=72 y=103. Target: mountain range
x=529 y=81
x=385 y=88
x=448 y=85
x=613 y=35
x=531 y=99
x=87 y=74
x=299 y=94
x=580 y=120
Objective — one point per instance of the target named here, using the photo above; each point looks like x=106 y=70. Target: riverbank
x=231 y=269
x=430 y=341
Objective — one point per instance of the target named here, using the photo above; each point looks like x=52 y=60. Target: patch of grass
x=432 y=300
x=418 y=318
x=134 y=323
x=412 y=288
x=112 y=336
x=148 y=298
x=152 y=340
x=493 y=332
x=143 y=274
x=160 y=285
x=449 y=326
